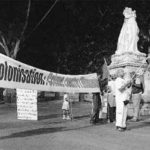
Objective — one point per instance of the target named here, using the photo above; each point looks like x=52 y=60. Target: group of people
x=120 y=91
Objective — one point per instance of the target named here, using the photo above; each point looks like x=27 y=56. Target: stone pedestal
x=146 y=94
x=129 y=62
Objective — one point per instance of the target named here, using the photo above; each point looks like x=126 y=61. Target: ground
x=50 y=132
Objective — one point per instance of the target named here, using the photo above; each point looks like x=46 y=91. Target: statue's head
x=128 y=13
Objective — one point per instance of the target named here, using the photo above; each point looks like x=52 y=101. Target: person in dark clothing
x=96 y=105
x=137 y=90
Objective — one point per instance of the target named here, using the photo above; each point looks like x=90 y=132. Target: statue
x=128 y=38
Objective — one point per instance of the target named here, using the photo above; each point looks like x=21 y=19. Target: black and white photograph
x=74 y=74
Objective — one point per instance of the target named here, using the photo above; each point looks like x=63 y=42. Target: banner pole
x=138 y=69
x=71 y=109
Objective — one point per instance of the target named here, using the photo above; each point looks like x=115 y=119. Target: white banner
x=14 y=74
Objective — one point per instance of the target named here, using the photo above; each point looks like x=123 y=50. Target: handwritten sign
x=27 y=104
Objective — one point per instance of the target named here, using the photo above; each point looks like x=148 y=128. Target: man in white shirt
x=121 y=87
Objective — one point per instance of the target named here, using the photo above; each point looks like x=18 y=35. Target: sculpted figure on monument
x=128 y=38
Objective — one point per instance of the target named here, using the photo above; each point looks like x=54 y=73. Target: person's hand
x=126 y=102
x=129 y=83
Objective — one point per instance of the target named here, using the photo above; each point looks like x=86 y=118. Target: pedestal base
x=129 y=62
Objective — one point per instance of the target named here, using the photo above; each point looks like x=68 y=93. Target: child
x=65 y=107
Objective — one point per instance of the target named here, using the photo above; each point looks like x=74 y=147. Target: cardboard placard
x=27 y=104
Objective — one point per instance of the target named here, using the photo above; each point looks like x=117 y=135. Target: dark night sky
x=43 y=41
x=37 y=48
x=67 y=21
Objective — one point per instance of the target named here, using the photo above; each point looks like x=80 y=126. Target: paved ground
x=50 y=132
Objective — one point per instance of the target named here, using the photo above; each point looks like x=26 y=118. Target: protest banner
x=27 y=104
x=14 y=74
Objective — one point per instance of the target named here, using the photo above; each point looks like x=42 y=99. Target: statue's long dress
x=128 y=38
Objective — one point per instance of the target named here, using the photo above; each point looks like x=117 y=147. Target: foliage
x=76 y=36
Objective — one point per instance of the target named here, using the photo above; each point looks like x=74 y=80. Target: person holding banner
x=65 y=107
x=122 y=95
x=96 y=105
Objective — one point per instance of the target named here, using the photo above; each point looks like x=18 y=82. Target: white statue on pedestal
x=128 y=38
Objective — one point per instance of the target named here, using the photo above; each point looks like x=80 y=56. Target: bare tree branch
x=27 y=18
x=102 y=13
x=2 y=45
x=5 y=46
x=46 y=14
x=16 y=49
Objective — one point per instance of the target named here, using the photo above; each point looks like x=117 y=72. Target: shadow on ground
x=137 y=125
x=45 y=130
x=40 y=131
x=80 y=117
x=43 y=117
x=33 y=132
x=51 y=116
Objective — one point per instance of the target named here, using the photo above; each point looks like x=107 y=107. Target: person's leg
x=64 y=114
x=94 y=110
x=67 y=115
x=93 y=117
x=110 y=112
x=97 y=116
x=125 y=110
x=119 y=114
x=122 y=126
x=114 y=113
x=139 y=106
x=136 y=98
